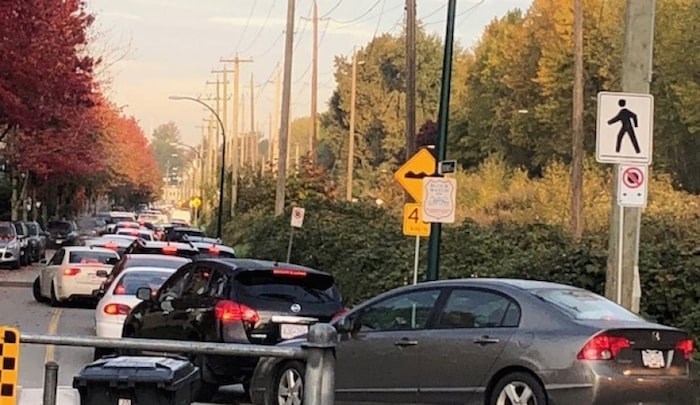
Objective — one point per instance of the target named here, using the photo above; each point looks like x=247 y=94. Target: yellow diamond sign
x=411 y=174
x=195 y=202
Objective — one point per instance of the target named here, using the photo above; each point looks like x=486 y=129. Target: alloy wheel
x=290 y=388
x=516 y=393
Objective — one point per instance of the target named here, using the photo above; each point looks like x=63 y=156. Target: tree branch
x=5 y=132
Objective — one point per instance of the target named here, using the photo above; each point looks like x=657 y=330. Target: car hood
x=4 y=243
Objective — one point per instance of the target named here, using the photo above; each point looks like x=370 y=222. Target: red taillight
x=603 y=347
x=229 y=311
x=289 y=273
x=686 y=346
x=120 y=290
x=71 y=272
x=135 y=233
x=112 y=246
x=169 y=250
x=339 y=314
x=116 y=309
x=214 y=250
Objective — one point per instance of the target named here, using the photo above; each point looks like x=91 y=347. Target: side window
x=406 y=311
x=57 y=258
x=218 y=286
x=174 y=286
x=469 y=308
x=198 y=281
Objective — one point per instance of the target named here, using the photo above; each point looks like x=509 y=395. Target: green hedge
x=362 y=246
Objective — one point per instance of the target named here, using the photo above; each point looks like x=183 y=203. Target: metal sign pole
x=289 y=247
x=415 y=261
x=620 y=253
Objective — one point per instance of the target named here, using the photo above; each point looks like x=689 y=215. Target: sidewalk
x=23 y=277
x=35 y=396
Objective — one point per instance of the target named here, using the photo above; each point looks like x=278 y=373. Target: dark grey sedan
x=495 y=342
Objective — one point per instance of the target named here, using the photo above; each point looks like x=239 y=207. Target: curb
x=16 y=283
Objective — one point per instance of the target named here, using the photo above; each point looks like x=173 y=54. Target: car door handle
x=485 y=340
x=405 y=342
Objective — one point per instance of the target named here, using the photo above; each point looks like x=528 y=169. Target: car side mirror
x=43 y=261
x=98 y=293
x=112 y=261
x=144 y=293
x=344 y=325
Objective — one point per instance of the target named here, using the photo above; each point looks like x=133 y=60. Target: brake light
x=686 y=346
x=289 y=273
x=120 y=290
x=214 y=250
x=135 y=233
x=230 y=311
x=71 y=272
x=111 y=245
x=339 y=314
x=603 y=347
x=169 y=250
x=116 y=309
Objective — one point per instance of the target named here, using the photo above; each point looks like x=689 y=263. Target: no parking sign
x=632 y=185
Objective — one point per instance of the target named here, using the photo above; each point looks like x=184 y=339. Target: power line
x=360 y=17
x=432 y=13
x=332 y=9
x=480 y=2
x=247 y=23
x=379 y=21
x=262 y=27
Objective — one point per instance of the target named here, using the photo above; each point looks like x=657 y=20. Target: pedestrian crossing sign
x=625 y=128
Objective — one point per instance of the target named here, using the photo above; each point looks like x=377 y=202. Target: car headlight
x=12 y=245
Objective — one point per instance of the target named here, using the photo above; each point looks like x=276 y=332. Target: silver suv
x=10 y=245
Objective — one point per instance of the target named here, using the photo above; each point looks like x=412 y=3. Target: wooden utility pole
x=277 y=122
x=224 y=111
x=313 y=130
x=410 y=78
x=253 y=132
x=235 y=162
x=623 y=245
x=217 y=99
x=284 y=125
x=245 y=139
x=577 y=130
x=351 y=135
x=270 y=139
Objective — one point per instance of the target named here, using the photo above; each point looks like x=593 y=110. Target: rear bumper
x=109 y=329
x=68 y=290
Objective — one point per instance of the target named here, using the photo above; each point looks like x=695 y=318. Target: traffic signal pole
x=444 y=115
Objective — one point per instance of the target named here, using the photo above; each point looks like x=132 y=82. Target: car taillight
x=169 y=250
x=71 y=272
x=339 y=314
x=289 y=273
x=214 y=250
x=120 y=290
x=686 y=346
x=603 y=347
x=116 y=309
x=230 y=311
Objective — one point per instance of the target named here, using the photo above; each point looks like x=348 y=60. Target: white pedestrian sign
x=625 y=128
x=297 y=217
x=632 y=185
x=439 y=199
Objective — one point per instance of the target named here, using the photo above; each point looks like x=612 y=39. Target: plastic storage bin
x=128 y=380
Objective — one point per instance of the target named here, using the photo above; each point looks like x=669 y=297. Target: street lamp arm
x=223 y=131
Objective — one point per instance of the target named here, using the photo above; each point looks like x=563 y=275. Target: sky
x=153 y=49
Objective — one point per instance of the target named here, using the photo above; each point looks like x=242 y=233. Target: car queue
x=469 y=341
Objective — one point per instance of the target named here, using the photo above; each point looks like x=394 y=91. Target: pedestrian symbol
x=629 y=122
x=625 y=128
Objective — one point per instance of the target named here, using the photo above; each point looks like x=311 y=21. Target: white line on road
x=53 y=328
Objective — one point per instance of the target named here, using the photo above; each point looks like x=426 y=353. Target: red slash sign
x=633 y=177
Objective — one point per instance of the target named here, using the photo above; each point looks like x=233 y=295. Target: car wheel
x=207 y=389
x=518 y=389
x=287 y=385
x=15 y=265
x=36 y=291
x=54 y=300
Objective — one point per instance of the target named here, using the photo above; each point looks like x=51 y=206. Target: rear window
x=155 y=262
x=584 y=305
x=32 y=229
x=91 y=257
x=60 y=226
x=288 y=285
x=20 y=229
x=131 y=282
x=6 y=231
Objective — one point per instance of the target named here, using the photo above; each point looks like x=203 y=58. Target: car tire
x=207 y=390
x=516 y=384
x=54 y=300
x=36 y=291
x=15 y=265
x=288 y=375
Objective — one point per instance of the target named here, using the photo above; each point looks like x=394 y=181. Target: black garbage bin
x=138 y=380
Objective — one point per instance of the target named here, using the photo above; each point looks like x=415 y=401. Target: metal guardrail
x=318 y=352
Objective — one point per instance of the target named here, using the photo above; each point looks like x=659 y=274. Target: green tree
x=168 y=154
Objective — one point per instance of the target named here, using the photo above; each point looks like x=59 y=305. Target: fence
x=318 y=352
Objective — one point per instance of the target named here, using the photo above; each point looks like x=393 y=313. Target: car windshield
x=132 y=281
x=585 y=306
x=6 y=232
x=90 y=257
x=32 y=229
x=60 y=226
x=285 y=285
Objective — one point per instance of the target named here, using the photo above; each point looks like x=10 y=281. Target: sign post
x=297 y=221
x=413 y=225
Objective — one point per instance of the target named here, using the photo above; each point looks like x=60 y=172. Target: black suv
x=234 y=301
x=63 y=233
x=182 y=249
x=37 y=241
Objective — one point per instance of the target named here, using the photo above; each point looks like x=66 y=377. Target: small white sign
x=439 y=199
x=297 y=217
x=632 y=185
x=625 y=128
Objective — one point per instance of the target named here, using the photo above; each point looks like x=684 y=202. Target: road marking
x=53 y=328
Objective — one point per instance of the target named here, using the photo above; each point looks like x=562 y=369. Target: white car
x=120 y=297
x=145 y=234
x=73 y=272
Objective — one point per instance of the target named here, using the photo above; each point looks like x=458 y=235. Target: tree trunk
x=13 y=200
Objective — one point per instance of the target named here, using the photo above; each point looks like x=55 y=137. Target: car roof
x=104 y=239
x=162 y=244
x=187 y=228
x=238 y=264
x=135 y=269
x=521 y=284
x=134 y=256
x=70 y=249
x=207 y=245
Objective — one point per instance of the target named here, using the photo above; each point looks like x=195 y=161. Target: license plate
x=124 y=401
x=59 y=240
x=653 y=358
x=290 y=331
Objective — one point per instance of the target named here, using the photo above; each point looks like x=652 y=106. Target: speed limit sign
x=297 y=217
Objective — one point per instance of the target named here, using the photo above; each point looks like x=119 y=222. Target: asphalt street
x=21 y=311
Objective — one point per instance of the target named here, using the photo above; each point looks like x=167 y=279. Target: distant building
x=172 y=194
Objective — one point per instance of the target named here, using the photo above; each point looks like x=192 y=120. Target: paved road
x=22 y=311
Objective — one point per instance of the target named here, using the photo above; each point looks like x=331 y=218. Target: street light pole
x=223 y=159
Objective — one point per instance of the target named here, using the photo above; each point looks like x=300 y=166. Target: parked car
x=63 y=233
x=73 y=273
x=91 y=227
x=37 y=241
x=237 y=301
x=23 y=237
x=495 y=341
x=10 y=245
x=120 y=297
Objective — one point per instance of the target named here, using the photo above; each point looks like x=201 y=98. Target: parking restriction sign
x=632 y=185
